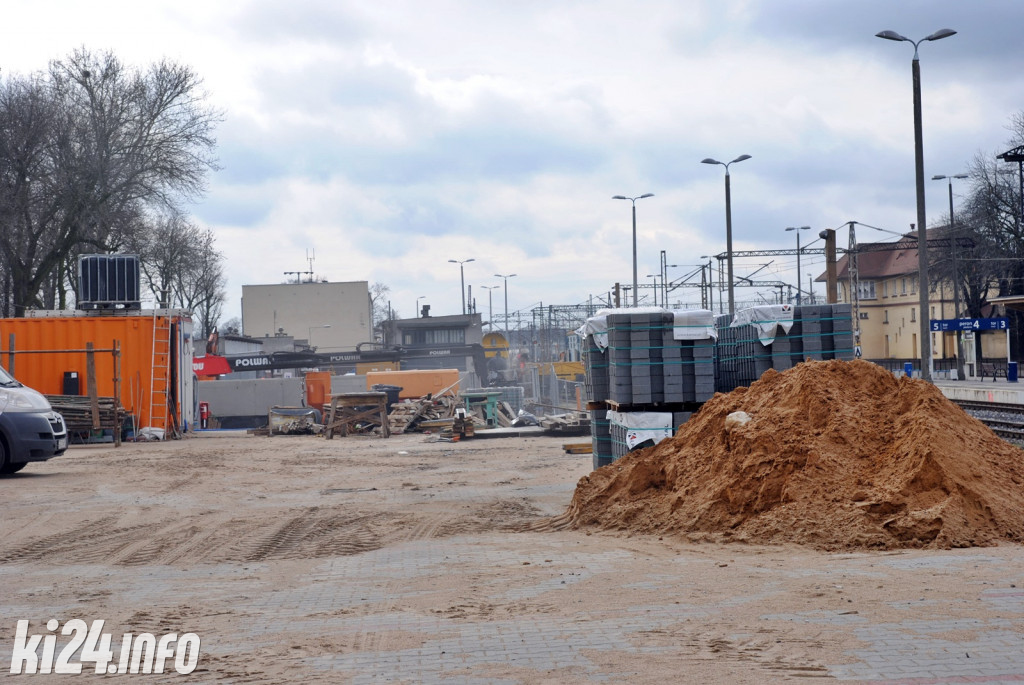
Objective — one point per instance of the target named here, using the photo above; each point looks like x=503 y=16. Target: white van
x=29 y=428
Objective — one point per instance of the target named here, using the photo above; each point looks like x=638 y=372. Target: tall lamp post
x=728 y=225
x=490 y=304
x=654 y=284
x=633 y=200
x=462 y=278
x=799 y=282
x=922 y=241
x=508 y=338
x=956 y=271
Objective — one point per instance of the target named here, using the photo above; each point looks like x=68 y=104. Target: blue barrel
x=908 y=369
x=1011 y=372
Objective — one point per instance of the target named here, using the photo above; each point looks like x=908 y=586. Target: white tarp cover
x=643 y=425
x=766 y=319
x=689 y=324
x=694 y=324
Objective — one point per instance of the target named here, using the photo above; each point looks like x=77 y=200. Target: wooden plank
x=90 y=384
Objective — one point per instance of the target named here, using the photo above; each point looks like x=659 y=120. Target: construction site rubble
x=831 y=454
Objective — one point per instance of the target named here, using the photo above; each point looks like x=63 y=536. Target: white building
x=332 y=317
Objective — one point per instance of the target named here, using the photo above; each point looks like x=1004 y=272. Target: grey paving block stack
x=842 y=331
x=679 y=418
x=818 y=332
x=601 y=438
x=703 y=370
x=812 y=321
x=620 y=366
x=597 y=380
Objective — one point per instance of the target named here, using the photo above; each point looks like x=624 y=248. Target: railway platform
x=999 y=391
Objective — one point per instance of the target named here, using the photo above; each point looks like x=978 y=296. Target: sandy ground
x=298 y=559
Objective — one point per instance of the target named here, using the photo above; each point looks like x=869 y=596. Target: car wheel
x=12 y=468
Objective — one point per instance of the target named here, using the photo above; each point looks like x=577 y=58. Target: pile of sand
x=838 y=455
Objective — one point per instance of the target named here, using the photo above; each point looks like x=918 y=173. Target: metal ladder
x=160 y=373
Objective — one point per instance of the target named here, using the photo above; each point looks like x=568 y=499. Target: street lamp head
x=708 y=160
x=645 y=195
x=798 y=228
x=740 y=159
x=940 y=34
x=892 y=35
x=619 y=197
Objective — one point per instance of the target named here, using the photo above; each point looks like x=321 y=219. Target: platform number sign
x=997 y=324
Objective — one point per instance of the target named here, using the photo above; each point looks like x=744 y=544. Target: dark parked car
x=29 y=428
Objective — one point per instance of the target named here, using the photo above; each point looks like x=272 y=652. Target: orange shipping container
x=416 y=383
x=156 y=379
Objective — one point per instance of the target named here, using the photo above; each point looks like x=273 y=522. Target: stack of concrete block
x=647 y=365
x=817 y=332
x=597 y=380
x=601 y=438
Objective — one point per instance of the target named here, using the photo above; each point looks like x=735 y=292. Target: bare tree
x=380 y=307
x=90 y=146
x=201 y=284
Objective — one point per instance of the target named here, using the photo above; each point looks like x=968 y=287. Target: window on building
x=886 y=319
x=866 y=290
x=904 y=289
x=913 y=286
x=437 y=336
x=885 y=288
x=913 y=314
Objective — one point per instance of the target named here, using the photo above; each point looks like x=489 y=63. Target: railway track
x=1005 y=420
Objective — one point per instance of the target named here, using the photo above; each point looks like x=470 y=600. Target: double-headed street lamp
x=728 y=224
x=506 y=277
x=922 y=242
x=956 y=270
x=799 y=283
x=417 y=310
x=633 y=200
x=462 y=278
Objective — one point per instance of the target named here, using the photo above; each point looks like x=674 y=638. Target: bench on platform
x=989 y=369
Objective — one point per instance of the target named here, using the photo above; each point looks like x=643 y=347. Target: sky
x=376 y=141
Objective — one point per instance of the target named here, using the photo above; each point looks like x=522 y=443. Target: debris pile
x=426 y=412
x=835 y=455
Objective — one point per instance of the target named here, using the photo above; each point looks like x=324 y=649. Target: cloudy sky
x=388 y=137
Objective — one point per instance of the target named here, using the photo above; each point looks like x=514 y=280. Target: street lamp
x=462 y=278
x=508 y=338
x=922 y=242
x=956 y=271
x=654 y=284
x=417 y=310
x=490 y=304
x=633 y=200
x=799 y=283
x=728 y=224
x=309 y=338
